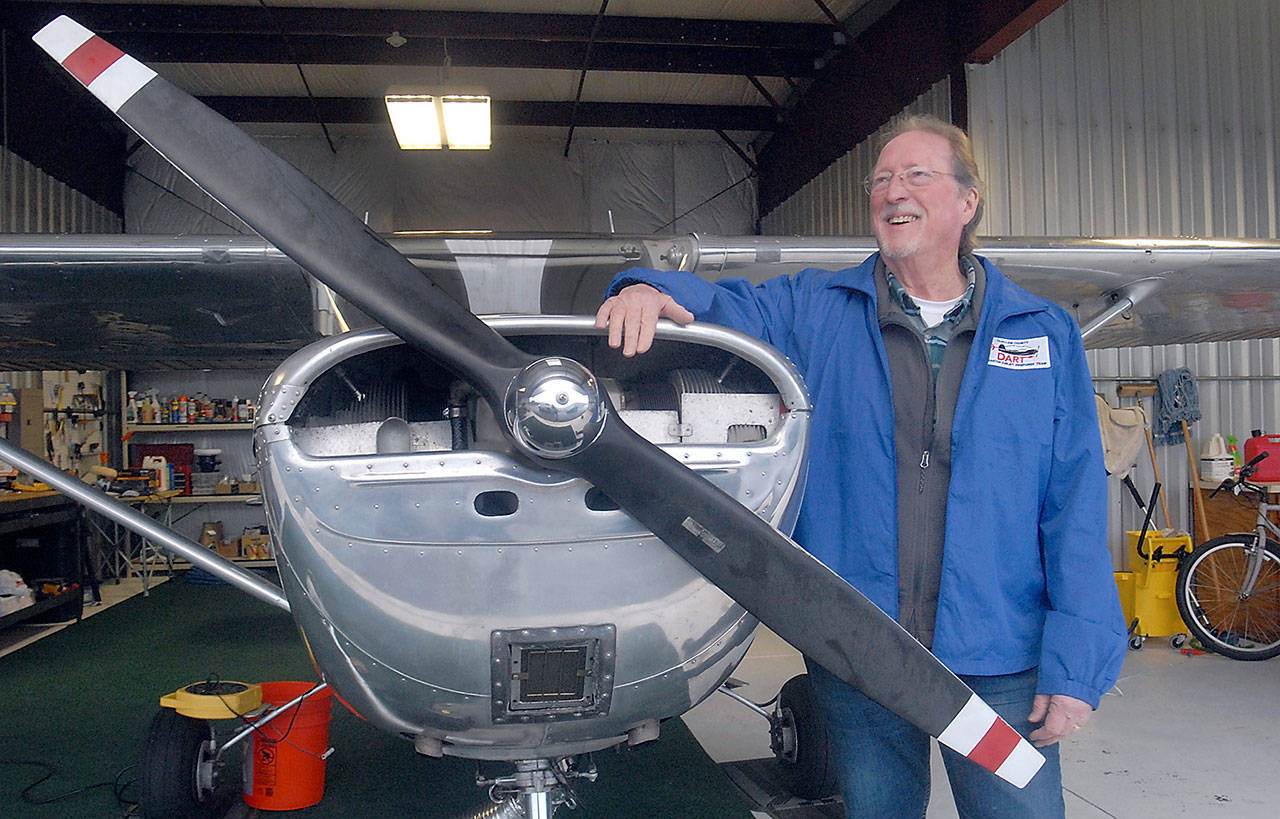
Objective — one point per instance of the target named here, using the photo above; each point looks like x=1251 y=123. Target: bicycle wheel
x=1209 y=598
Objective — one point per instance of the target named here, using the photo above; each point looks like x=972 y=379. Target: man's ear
x=971 y=202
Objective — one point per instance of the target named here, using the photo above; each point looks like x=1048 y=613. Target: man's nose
x=896 y=189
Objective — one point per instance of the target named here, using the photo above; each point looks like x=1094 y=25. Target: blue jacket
x=1026 y=575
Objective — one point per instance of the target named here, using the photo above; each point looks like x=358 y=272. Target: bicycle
x=1228 y=589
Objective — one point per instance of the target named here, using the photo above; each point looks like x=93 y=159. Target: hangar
x=1133 y=125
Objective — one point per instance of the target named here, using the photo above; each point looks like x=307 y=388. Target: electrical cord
x=119 y=788
x=50 y=771
x=253 y=723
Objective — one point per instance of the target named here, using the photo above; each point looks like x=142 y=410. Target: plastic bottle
x=1233 y=447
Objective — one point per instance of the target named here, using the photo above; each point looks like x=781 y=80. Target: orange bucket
x=284 y=759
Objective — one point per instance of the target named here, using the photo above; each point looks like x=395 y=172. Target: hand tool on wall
x=1139 y=390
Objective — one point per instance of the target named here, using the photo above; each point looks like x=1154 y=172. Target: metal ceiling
x=801 y=81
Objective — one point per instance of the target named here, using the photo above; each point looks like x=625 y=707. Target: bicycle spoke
x=1216 y=609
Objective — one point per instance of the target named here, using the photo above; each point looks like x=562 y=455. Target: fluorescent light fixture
x=426 y=121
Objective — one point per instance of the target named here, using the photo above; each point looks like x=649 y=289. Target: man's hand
x=632 y=316
x=1062 y=717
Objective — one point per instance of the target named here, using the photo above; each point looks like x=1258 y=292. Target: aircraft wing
x=1123 y=292
x=98 y=301
x=141 y=302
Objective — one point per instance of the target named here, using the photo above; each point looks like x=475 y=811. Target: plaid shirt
x=937 y=336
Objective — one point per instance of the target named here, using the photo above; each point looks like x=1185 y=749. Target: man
x=956 y=472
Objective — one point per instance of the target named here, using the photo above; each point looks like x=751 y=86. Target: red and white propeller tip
x=981 y=735
x=110 y=75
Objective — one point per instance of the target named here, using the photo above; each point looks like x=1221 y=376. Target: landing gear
x=798 y=738
x=179 y=774
x=536 y=789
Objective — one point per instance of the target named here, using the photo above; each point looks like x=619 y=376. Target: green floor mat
x=80 y=701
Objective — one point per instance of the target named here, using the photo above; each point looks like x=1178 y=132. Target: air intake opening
x=497 y=504
x=552 y=673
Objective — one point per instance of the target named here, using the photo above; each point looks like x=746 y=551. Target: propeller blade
x=763 y=570
x=285 y=207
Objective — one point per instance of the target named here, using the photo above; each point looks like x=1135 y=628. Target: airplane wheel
x=798 y=737
x=177 y=777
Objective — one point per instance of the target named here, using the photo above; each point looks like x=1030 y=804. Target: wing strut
x=1122 y=300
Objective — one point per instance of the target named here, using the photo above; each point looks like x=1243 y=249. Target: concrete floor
x=1195 y=736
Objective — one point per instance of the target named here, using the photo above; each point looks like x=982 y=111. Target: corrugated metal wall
x=1123 y=118
x=834 y=203
x=1134 y=117
x=31 y=201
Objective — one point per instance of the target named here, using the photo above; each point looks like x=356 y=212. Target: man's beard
x=901 y=249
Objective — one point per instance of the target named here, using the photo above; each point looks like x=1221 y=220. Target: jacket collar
x=996 y=297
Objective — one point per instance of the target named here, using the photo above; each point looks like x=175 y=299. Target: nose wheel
x=179 y=768
x=798 y=739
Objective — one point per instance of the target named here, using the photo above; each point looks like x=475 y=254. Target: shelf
x=60 y=599
x=214 y=427
x=253 y=499
x=178 y=564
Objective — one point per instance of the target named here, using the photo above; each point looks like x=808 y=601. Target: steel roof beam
x=249 y=34
x=364 y=110
x=891 y=62
x=339 y=50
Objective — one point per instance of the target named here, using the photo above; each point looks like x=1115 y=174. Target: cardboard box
x=256 y=547
x=211 y=534
x=229 y=548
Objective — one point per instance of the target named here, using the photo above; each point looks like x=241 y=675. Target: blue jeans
x=884 y=762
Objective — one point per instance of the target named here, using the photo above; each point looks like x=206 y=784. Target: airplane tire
x=805 y=764
x=176 y=776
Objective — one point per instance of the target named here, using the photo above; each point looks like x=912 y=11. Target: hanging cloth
x=1176 y=401
x=1123 y=435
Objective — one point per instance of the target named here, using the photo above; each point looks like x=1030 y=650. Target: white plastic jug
x=1215 y=460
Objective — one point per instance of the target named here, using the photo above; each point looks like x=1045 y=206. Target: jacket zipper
x=931 y=414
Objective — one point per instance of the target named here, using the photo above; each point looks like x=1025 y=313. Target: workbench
x=41 y=539
x=1226 y=512
x=134 y=555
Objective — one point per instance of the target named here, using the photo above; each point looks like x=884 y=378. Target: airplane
x=584 y=630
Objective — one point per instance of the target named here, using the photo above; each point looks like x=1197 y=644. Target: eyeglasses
x=911 y=177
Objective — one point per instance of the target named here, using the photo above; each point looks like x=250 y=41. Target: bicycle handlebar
x=1243 y=478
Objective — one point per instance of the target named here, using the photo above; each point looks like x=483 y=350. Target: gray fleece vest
x=923 y=410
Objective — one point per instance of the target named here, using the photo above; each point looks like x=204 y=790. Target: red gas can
x=1268 y=467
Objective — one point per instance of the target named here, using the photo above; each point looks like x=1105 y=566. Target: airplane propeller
x=555 y=409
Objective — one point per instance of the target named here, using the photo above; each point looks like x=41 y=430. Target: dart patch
x=702 y=533
x=980 y=734
x=110 y=75
x=1019 y=353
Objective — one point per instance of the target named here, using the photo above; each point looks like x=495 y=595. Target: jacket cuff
x=689 y=291
x=1079 y=658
